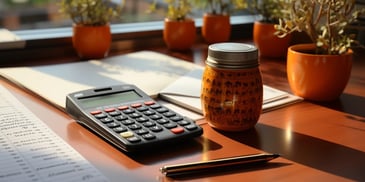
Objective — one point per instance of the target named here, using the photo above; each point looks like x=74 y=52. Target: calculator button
x=136 y=105
x=177 y=130
x=123 y=107
x=169 y=114
x=170 y=125
x=162 y=110
x=149 y=136
x=101 y=115
x=142 y=108
x=128 y=111
x=120 y=129
x=95 y=112
x=176 y=118
x=134 y=126
x=149 y=124
x=135 y=115
x=121 y=117
x=191 y=127
x=162 y=121
x=106 y=120
x=127 y=122
x=148 y=112
x=114 y=113
x=113 y=124
x=141 y=131
x=109 y=109
x=126 y=134
x=134 y=139
x=155 y=106
x=142 y=119
x=183 y=122
x=156 y=128
x=148 y=103
x=155 y=117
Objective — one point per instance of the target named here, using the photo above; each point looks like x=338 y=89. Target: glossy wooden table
x=317 y=141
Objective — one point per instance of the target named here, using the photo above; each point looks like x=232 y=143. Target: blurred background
x=41 y=14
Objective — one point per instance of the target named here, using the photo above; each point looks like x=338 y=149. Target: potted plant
x=91 y=29
x=216 y=25
x=179 y=31
x=264 y=37
x=320 y=71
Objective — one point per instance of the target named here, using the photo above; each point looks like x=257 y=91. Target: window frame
x=56 y=43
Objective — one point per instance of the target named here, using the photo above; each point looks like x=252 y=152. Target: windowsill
x=56 y=43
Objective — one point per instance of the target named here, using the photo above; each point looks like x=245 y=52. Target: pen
x=193 y=167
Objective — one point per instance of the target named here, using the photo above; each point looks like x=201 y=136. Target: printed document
x=30 y=151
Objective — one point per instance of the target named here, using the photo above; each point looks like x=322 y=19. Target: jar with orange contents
x=232 y=89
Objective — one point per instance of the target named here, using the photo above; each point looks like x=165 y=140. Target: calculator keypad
x=143 y=121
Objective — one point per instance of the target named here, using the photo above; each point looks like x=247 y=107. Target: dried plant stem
x=312 y=22
x=328 y=24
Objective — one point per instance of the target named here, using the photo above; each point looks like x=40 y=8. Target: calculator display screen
x=104 y=100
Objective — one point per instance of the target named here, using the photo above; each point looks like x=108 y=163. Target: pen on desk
x=179 y=169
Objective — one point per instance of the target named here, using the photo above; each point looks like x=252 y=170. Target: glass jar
x=232 y=89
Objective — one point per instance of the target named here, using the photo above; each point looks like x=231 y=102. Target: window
x=41 y=14
x=39 y=23
x=44 y=14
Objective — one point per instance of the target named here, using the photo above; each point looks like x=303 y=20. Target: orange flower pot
x=179 y=35
x=91 y=42
x=268 y=43
x=216 y=28
x=317 y=77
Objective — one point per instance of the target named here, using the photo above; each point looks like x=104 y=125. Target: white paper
x=185 y=92
x=148 y=70
x=30 y=151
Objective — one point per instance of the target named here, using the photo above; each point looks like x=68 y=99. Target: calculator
x=128 y=118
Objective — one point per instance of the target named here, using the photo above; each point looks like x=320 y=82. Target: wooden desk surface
x=317 y=141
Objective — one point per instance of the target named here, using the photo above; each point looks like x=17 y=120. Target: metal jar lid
x=232 y=55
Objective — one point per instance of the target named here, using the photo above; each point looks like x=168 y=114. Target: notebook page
x=185 y=92
x=148 y=70
x=30 y=151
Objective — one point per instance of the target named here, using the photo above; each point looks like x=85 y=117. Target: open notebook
x=156 y=74
x=149 y=70
x=185 y=92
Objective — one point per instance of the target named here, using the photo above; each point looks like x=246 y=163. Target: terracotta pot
x=268 y=43
x=317 y=77
x=179 y=35
x=216 y=28
x=91 y=42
